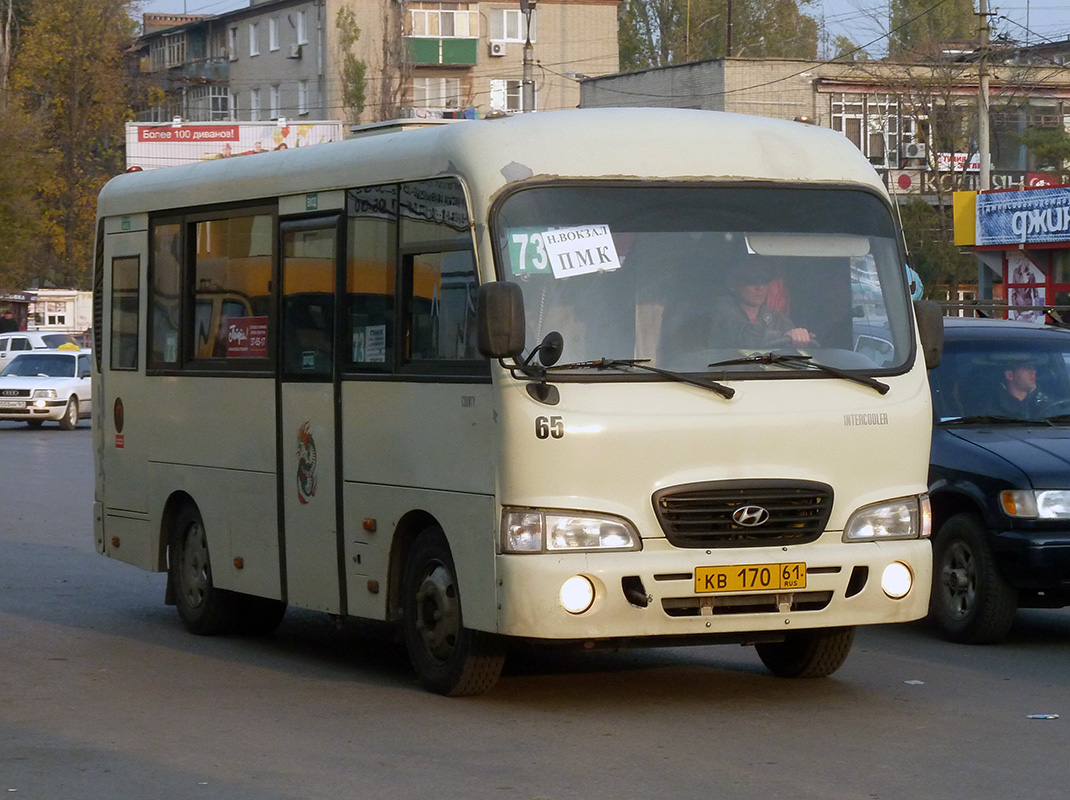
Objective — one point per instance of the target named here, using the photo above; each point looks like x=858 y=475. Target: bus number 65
x=547 y=427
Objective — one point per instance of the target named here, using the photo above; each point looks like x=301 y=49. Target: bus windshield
x=689 y=277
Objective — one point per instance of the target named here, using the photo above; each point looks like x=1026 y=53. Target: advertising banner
x=1024 y=217
x=151 y=146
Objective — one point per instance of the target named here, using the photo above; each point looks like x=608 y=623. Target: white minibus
x=614 y=377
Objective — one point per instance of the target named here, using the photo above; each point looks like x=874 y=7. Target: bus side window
x=368 y=337
x=442 y=307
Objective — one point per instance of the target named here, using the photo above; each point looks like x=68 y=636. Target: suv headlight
x=905 y=518
x=1036 y=504
x=536 y=531
x=44 y=393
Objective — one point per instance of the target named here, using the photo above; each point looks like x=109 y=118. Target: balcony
x=427 y=51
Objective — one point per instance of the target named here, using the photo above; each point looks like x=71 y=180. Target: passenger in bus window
x=745 y=317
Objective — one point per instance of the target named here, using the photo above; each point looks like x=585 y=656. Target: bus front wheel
x=448 y=658
x=202 y=608
x=807 y=654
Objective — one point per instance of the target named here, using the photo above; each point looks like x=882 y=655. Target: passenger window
x=232 y=284
x=308 y=270
x=442 y=309
x=125 y=285
x=370 y=278
x=164 y=317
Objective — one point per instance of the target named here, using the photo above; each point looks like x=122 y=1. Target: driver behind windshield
x=1018 y=395
x=746 y=319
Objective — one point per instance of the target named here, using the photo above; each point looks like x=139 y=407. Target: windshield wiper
x=799 y=360
x=641 y=363
x=990 y=419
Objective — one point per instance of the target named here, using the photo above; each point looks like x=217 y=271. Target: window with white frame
x=302 y=97
x=273 y=33
x=276 y=102
x=302 y=27
x=876 y=123
x=232 y=42
x=254 y=39
x=444 y=20
x=167 y=51
x=510 y=25
x=254 y=105
x=436 y=93
x=506 y=95
x=210 y=103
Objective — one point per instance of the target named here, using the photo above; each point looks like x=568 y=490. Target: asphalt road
x=103 y=695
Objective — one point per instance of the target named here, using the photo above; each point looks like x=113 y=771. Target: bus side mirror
x=500 y=319
x=931 y=327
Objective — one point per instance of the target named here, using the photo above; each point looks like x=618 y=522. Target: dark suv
x=999 y=475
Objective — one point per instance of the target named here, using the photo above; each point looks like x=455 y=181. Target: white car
x=11 y=344
x=39 y=385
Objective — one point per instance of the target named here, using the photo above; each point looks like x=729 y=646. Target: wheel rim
x=72 y=412
x=438 y=612
x=958 y=581
x=193 y=571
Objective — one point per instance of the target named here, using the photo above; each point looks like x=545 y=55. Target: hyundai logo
x=750 y=516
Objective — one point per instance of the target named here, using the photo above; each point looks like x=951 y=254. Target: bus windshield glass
x=694 y=278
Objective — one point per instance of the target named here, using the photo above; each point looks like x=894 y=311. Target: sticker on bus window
x=247 y=337
x=565 y=252
x=527 y=256
x=369 y=344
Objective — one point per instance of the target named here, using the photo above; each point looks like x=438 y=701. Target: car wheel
x=202 y=608
x=448 y=658
x=807 y=654
x=971 y=600
x=69 y=421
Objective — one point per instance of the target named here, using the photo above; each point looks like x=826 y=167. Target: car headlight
x=533 y=531
x=44 y=393
x=905 y=518
x=1036 y=504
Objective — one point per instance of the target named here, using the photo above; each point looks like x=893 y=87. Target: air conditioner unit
x=295 y=51
x=914 y=150
x=497 y=49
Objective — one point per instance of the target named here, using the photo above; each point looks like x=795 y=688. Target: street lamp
x=527 y=87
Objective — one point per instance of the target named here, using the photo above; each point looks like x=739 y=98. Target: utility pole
x=983 y=132
x=527 y=87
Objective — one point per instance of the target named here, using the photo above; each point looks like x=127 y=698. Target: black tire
x=69 y=421
x=448 y=658
x=971 y=601
x=807 y=654
x=203 y=609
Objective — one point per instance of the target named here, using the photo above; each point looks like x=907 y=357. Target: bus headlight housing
x=904 y=518
x=1039 y=504
x=537 y=531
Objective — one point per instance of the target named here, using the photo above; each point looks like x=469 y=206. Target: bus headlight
x=905 y=518
x=530 y=531
x=1041 y=504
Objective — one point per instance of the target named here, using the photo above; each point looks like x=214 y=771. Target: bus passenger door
x=308 y=441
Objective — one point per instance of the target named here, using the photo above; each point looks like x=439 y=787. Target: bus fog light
x=896 y=580
x=577 y=594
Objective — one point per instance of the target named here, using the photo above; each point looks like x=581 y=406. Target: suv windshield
x=685 y=277
x=1012 y=378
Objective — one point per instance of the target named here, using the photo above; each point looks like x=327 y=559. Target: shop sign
x=1023 y=217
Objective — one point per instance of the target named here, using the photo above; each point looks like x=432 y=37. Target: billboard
x=1030 y=216
x=155 y=145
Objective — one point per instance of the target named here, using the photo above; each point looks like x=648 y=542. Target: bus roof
x=625 y=143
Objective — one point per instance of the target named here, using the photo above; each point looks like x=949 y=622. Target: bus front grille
x=744 y=513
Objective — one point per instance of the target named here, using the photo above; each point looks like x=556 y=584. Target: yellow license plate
x=750 y=578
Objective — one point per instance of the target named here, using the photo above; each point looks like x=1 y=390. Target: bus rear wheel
x=202 y=608
x=448 y=658
x=807 y=654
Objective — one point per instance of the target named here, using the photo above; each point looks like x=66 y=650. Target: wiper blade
x=641 y=363
x=990 y=419
x=799 y=360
